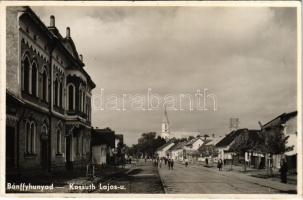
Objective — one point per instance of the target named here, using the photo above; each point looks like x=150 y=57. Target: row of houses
x=255 y=158
x=193 y=149
x=214 y=148
x=48 y=100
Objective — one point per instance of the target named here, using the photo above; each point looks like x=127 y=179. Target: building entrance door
x=68 y=146
x=44 y=154
x=10 y=147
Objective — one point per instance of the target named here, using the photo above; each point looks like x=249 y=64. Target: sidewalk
x=101 y=175
x=140 y=178
x=258 y=173
x=77 y=177
x=263 y=174
x=250 y=176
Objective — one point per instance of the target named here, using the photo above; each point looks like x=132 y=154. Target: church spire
x=165 y=117
x=165 y=126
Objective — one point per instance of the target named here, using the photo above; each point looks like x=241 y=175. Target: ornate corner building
x=48 y=97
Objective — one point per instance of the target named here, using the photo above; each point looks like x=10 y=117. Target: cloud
x=246 y=56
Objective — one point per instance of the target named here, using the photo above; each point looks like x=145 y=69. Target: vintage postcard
x=187 y=99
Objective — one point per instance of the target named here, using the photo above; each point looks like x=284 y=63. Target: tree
x=205 y=136
x=244 y=143
x=134 y=151
x=177 y=140
x=190 y=138
x=208 y=150
x=274 y=142
x=148 y=144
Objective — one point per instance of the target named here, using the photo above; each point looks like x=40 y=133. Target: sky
x=245 y=57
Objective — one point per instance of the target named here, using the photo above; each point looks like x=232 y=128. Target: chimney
x=67 y=32
x=52 y=20
x=81 y=57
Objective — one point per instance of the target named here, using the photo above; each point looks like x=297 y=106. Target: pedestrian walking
x=168 y=163
x=160 y=162
x=220 y=164
x=206 y=161
x=165 y=161
x=186 y=162
x=283 y=170
x=172 y=164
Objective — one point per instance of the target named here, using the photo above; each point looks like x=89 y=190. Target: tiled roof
x=228 y=139
x=164 y=145
x=281 y=119
x=192 y=141
x=179 y=145
x=213 y=141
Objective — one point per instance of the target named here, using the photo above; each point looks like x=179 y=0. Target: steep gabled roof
x=205 y=144
x=164 y=145
x=191 y=142
x=177 y=146
x=213 y=141
x=280 y=119
x=228 y=139
x=209 y=143
x=65 y=44
x=71 y=47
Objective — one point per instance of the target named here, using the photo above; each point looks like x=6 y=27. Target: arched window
x=44 y=130
x=88 y=113
x=28 y=137
x=71 y=97
x=83 y=102
x=86 y=110
x=80 y=99
x=82 y=145
x=33 y=138
x=44 y=85
x=60 y=94
x=77 y=145
x=25 y=81
x=58 y=141
x=56 y=92
x=34 y=80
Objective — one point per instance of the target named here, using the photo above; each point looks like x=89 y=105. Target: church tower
x=165 y=126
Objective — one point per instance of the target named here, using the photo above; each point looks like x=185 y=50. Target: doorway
x=10 y=147
x=44 y=154
x=68 y=146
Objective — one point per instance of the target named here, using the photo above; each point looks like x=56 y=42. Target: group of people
x=169 y=162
